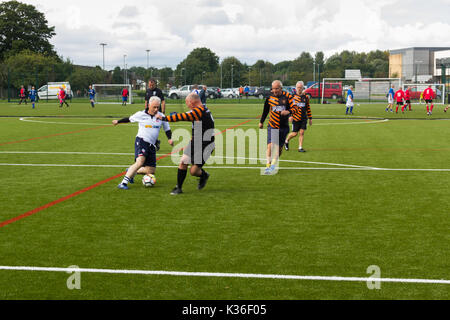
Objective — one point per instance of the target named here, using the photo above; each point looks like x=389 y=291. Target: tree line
x=27 y=57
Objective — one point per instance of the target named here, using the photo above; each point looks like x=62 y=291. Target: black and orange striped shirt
x=302 y=109
x=198 y=114
x=275 y=105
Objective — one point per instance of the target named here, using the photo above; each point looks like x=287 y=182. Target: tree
x=31 y=68
x=23 y=27
x=191 y=69
x=82 y=77
x=117 y=76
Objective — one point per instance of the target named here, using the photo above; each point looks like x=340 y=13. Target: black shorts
x=429 y=101
x=282 y=134
x=399 y=103
x=144 y=149
x=298 y=125
x=201 y=155
x=408 y=102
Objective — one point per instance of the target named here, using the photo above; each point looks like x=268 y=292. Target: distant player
x=201 y=145
x=92 y=93
x=195 y=89
x=421 y=98
x=144 y=146
x=300 y=115
x=62 y=96
x=125 y=95
x=390 y=97
x=22 y=95
x=399 y=96
x=350 y=103
x=408 y=98
x=428 y=97
x=446 y=108
x=33 y=95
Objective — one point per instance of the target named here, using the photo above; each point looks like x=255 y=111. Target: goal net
x=365 y=90
x=416 y=90
x=111 y=93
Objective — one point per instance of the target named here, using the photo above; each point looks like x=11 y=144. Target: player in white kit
x=146 y=139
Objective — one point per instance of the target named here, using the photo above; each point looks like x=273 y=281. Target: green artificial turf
x=331 y=214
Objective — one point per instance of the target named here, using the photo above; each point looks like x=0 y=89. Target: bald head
x=193 y=100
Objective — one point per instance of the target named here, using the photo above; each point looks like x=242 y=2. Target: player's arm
x=124 y=120
x=163 y=106
x=264 y=114
x=308 y=111
x=193 y=115
x=168 y=132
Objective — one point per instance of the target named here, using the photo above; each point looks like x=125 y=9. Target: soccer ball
x=149 y=180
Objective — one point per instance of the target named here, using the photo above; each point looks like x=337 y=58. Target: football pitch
x=363 y=214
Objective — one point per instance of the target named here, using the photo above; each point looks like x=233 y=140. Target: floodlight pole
x=148 y=52
x=232 y=66
x=125 y=69
x=103 y=47
x=221 y=84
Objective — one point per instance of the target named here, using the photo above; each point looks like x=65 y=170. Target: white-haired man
x=145 y=143
x=299 y=117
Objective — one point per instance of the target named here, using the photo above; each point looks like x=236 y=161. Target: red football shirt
x=407 y=95
x=399 y=95
x=428 y=94
x=125 y=93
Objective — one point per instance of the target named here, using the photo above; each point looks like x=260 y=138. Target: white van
x=50 y=90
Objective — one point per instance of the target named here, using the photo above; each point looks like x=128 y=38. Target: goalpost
x=365 y=90
x=417 y=88
x=111 y=93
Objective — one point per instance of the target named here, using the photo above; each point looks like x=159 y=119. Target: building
x=416 y=64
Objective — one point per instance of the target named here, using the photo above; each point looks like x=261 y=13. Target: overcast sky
x=250 y=30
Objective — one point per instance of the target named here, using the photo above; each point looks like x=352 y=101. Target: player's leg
x=131 y=172
x=301 y=137
x=431 y=107
x=293 y=134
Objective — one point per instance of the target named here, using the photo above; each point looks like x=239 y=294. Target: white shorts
x=390 y=100
x=349 y=103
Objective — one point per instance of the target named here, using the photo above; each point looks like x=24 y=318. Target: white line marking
x=221 y=167
x=158 y=154
x=226 y=275
x=368 y=121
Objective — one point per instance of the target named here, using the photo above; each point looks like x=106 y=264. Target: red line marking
x=54 y=135
x=53 y=203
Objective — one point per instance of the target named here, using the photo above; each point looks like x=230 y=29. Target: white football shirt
x=149 y=126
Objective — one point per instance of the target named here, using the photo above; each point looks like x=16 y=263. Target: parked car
x=213 y=92
x=331 y=90
x=229 y=93
x=263 y=92
x=289 y=89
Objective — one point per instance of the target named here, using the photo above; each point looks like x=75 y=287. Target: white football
x=149 y=180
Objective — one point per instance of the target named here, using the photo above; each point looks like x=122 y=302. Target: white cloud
x=250 y=30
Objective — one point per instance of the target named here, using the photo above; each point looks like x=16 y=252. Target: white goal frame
x=424 y=86
x=130 y=96
x=393 y=80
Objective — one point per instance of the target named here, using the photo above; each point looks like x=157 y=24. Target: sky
x=249 y=30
